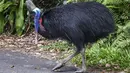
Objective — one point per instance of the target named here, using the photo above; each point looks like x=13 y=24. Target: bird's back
x=87 y=21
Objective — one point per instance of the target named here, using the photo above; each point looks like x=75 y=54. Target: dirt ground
x=26 y=44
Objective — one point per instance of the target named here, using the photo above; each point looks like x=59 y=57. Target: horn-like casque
x=30 y=5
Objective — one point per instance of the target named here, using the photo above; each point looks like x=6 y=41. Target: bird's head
x=37 y=12
x=31 y=7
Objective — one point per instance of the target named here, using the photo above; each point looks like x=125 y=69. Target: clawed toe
x=58 y=66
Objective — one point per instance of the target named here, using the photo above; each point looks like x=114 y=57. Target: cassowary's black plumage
x=78 y=23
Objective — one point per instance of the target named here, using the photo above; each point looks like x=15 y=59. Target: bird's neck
x=41 y=24
x=40 y=21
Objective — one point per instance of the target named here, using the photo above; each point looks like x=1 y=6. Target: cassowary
x=79 y=23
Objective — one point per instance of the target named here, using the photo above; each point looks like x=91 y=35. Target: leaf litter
x=26 y=45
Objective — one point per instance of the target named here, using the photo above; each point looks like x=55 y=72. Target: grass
x=57 y=45
x=99 y=55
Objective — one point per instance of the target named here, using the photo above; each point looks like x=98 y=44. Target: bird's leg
x=65 y=60
x=84 y=69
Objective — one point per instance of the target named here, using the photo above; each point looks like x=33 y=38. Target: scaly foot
x=58 y=66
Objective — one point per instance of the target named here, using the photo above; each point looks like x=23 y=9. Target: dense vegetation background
x=113 y=50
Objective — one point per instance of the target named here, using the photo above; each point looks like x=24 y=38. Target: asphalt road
x=15 y=62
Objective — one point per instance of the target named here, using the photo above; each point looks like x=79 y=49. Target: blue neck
x=36 y=18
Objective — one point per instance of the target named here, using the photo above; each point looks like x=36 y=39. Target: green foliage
x=102 y=1
x=2 y=22
x=105 y=2
x=102 y=53
x=5 y=5
x=20 y=18
x=12 y=16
